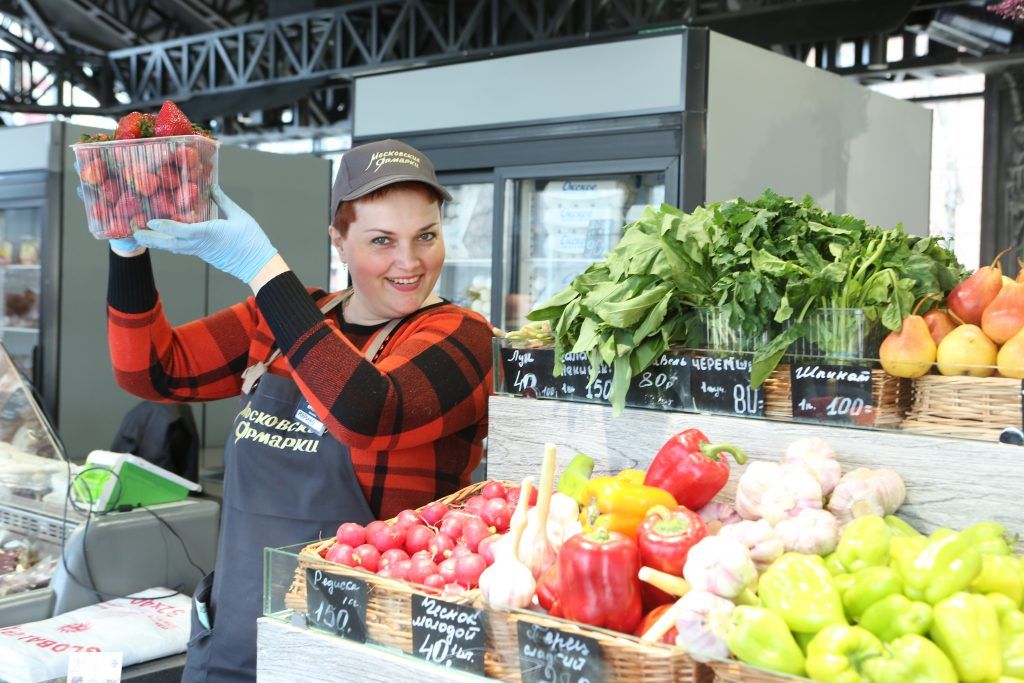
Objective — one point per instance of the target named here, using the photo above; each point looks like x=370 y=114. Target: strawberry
x=145 y=182
x=111 y=190
x=118 y=226
x=93 y=172
x=95 y=137
x=133 y=126
x=138 y=222
x=169 y=178
x=199 y=130
x=187 y=198
x=128 y=205
x=161 y=205
x=172 y=121
x=97 y=212
x=188 y=159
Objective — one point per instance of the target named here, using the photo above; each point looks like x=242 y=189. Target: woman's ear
x=336 y=240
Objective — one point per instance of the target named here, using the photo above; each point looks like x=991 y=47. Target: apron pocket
x=197 y=658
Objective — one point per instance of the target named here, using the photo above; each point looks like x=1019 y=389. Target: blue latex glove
x=235 y=244
x=121 y=245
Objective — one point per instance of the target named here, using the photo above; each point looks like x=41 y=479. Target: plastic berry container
x=126 y=183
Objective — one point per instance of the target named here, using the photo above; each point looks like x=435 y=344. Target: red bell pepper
x=692 y=468
x=650 y=619
x=601 y=567
x=664 y=539
x=547 y=590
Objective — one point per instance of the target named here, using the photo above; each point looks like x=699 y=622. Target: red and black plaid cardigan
x=414 y=422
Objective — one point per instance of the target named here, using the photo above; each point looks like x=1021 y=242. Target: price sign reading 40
x=832 y=394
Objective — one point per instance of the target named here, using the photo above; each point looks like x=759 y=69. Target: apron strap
x=252 y=373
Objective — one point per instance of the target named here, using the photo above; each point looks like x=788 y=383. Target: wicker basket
x=972 y=407
x=891 y=397
x=735 y=672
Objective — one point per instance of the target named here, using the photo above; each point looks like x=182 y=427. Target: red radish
x=352 y=534
x=468 y=569
x=453 y=589
x=460 y=550
x=447 y=570
x=341 y=554
x=513 y=496
x=421 y=554
x=384 y=536
x=367 y=557
x=408 y=518
x=420 y=569
x=486 y=548
x=493 y=489
x=496 y=513
x=433 y=513
x=441 y=547
x=417 y=538
x=474 y=504
x=387 y=573
x=474 y=531
x=434 y=581
x=390 y=557
x=452 y=524
x=400 y=570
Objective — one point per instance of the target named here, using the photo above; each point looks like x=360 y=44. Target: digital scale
x=110 y=480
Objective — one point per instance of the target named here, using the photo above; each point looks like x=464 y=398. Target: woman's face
x=394 y=250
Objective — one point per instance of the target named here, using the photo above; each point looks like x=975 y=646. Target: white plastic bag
x=140 y=627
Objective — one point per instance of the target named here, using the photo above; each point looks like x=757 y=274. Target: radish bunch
x=437 y=546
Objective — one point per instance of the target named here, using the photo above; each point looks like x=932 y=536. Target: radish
x=434 y=581
x=452 y=524
x=400 y=570
x=468 y=569
x=367 y=557
x=474 y=531
x=433 y=513
x=474 y=504
x=390 y=557
x=495 y=512
x=417 y=538
x=384 y=536
x=486 y=548
x=460 y=550
x=493 y=489
x=341 y=554
x=351 y=534
x=513 y=496
x=408 y=518
x=447 y=570
x=441 y=547
x=420 y=569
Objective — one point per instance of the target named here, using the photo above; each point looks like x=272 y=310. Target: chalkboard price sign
x=722 y=385
x=530 y=372
x=336 y=604
x=832 y=394
x=448 y=634
x=548 y=655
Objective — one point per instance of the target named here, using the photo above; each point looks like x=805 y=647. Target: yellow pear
x=1011 y=357
x=1007 y=280
x=967 y=351
x=909 y=352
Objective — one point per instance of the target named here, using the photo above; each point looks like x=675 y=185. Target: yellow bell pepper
x=620 y=503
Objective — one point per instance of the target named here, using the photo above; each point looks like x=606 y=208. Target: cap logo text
x=393 y=156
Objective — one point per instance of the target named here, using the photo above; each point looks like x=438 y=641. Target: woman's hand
x=235 y=244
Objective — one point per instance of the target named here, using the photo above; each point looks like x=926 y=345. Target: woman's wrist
x=274 y=267
x=138 y=251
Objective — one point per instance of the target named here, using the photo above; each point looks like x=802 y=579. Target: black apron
x=283 y=484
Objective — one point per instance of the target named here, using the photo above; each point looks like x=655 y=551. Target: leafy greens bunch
x=763 y=265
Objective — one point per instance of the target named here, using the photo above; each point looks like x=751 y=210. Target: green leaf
x=621 y=375
x=589 y=337
x=645 y=354
x=654 y=318
x=607 y=348
x=627 y=313
x=552 y=308
x=785 y=311
x=767 y=357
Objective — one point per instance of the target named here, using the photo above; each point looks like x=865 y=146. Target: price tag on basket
x=337 y=604
x=448 y=634
x=722 y=385
x=832 y=394
x=548 y=655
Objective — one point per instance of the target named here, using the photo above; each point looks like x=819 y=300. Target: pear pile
x=980 y=331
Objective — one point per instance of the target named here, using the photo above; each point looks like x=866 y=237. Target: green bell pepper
x=761 y=638
x=946 y=563
x=864 y=588
x=911 y=659
x=999 y=574
x=966 y=627
x=575 y=477
x=833 y=566
x=800 y=590
x=864 y=543
x=899 y=527
x=838 y=654
x=895 y=616
x=989 y=538
x=1011 y=629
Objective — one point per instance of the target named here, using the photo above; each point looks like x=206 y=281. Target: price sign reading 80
x=722 y=386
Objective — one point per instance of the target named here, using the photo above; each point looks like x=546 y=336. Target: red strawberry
x=138 y=222
x=161 y=205
x=187 y=198
x=171 y=121
x=199 y=130
x=97 y=212
x=145 y=182
x=169 y=178
x=188 y=158
x=111 y=190
x=118 y=226
x=94 y=172
x=128 y=205
x=133 y=126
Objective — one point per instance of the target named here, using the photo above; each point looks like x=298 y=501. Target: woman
x=354 y=405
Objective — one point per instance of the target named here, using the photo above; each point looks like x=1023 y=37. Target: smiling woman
x=385 y=385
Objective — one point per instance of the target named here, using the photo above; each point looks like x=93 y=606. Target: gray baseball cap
x=370 y=167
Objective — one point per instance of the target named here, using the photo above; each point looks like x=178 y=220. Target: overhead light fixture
x=974 y=35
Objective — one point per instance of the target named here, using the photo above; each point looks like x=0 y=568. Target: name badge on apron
x=307 y=416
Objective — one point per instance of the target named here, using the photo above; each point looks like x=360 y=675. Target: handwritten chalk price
x=336 y=604
x=448 y=634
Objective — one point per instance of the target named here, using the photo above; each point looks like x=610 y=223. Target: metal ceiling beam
x=40 y=25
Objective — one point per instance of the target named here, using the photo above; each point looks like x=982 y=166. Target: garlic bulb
x=867 y=492
x=536 y=550
x=812 y=532
x=716 y=515
x=508 y=581
x=721 y=566
x=768 y=491
x=818 y=458
x=758 y=478
x=760 y=539
x=702 y=620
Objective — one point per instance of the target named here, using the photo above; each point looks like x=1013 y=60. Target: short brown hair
x=347 y=210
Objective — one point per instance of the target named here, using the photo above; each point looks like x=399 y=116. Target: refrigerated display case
x=467 y=220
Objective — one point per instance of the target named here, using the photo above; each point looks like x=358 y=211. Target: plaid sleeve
x=434 y=381
x=201 y=360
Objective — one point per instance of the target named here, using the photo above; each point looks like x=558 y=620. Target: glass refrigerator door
x=562 y=225
x=20 y=282
x=468 y=222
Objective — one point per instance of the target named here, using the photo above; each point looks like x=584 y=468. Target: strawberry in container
x=155 y=166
